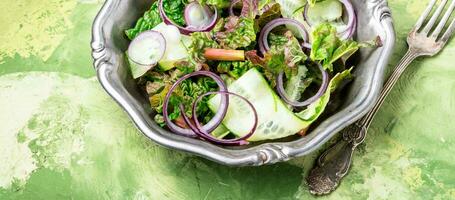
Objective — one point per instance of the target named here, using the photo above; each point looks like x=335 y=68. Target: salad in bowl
x=242 y=71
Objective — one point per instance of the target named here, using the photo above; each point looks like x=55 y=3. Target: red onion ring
x=198 y=129
x=205 y=11
x=321 y=91
x=187 y=30
x=351 y=32
x=231 y=7
x=348 y=32
x=306 y=45
x=264 y=35
x=214 y=122
x=139 y=38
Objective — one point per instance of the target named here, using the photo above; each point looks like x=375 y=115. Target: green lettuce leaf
x=328 y=48
x=219 y=4
x=173 y=8
x=297 y=84
x=313 y=2
x=249 y=9
x=150 y=19
x=199 y=42
x=349 y=47
x=277 y=40
x=239 y=32
x=293 y=53
x=219 y=26
x=185 y=94
x=234 y=69
x=280 y=58
x=262 y=4
x=315 y=109
x=345 y=50
x=273 y=12
x=285 y=57
x=192 y=89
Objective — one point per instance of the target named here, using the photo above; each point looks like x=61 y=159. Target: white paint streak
x=50 y=102
x=20 y=97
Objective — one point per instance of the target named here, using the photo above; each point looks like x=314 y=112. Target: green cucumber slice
x=220 y=132
x=325 y=11
x=176 y=52
x=275 y=120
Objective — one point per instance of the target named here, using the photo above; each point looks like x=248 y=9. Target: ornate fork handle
x=429 y=40
x=334 y=163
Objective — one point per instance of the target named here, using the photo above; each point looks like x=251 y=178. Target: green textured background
x=62 y=137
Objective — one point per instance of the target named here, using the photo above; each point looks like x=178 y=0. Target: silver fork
x=334 y=163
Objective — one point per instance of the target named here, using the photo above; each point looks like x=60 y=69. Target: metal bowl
x=109 y=45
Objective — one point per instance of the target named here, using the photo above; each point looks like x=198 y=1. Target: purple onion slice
x=188 y=29
x=264 y=35
x=214 y=122
x=199 y=130
x=233 y=4
x=197 y=16
x=281 y=91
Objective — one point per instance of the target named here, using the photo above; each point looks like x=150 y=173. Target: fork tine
x=444 y=20
x=449 y=32
x=424 y=15
x=433 y=18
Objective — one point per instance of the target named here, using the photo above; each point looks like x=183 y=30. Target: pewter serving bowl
x=109 y=45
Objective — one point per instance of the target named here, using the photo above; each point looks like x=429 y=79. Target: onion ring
x=214 y=122
x=264 y=35
x=198 y=129
x=281 y=91
x=187 y=30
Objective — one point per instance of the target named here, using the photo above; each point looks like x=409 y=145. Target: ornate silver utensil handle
x=334 y=163
x=429 y=40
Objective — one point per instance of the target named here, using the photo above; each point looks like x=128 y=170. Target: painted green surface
x=62 y=137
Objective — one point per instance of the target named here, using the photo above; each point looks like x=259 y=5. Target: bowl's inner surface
x=367 y=29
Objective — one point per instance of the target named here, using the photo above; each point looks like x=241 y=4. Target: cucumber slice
x=326 y=11
x=176 y=49
x=175 y=53
x=274 y=119
x=145 y=51
x=220 y=132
